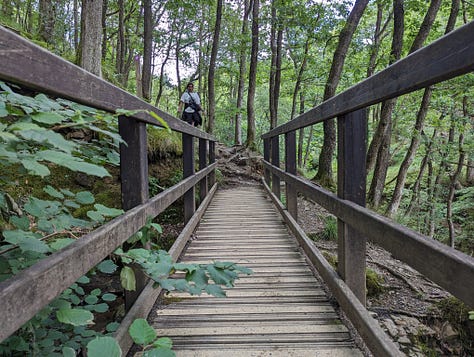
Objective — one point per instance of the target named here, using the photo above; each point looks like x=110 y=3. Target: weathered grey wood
x=351 y=185
x=266 y=157
x=445 y=58
x=134 y=182
x=212 y=159
x=290 y=166
x=203 y=155
x=420 y=252
x=275 y=159
x=29 y=291
x=148 y=297
x=33 y=67
x=282 y=306
x=188 y=170
x=374 y=337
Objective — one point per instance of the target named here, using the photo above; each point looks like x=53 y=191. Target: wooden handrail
x=446 y=58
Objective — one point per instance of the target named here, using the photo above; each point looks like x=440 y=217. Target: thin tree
x=91 y=36
x=147 y=49
x=212 y=69
x=325 y=173
x=252 y=77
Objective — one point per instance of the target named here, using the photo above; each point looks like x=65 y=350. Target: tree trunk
x=46 y=20
x=138 y=76
x=104 y=28
x=325 y=173
x=276 y=41
x=252 y=78
x=212 y=69
x=242 y=71
x=162 y=71
x=425 y=26
x=91 y=36
x=147 y=49
x=378 y=155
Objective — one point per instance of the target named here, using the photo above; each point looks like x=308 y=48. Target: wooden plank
x=188 y=170
x=290 y=166
x=275 y=160
x=449 y=56
x=420 y=252
x=30 y=290
x=266 y=156
x=203 y=155
x=276 y=352
x=33 y=67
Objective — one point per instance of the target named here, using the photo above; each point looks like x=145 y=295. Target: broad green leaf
x=75 y=317
x=95 y=216
x=22 y=222
x=102 y=307
x=160 y=269
x=49 y=137
x=53 y=192
x=103 y=347
x=215 y=290
x=220 y=276
x=112 y=327
x=61 y=304
x=186 y=267
x=3 y=110
x=26 y=241
x=115 y=136
x=109 y=297
x=157 y=227
x=107 y=211
x=67 y=192
x=96 y=292
x=25 y=126
x=35 y=168
x=72 y=163
x=141 y=332
x=91 y=299
x=85 y=197
x=47 y=118
x=107 y=266
x=68 y=352
x=127 y=279
x=199 y=277
x=163 y=342
x=60 y=243
x=83 y=280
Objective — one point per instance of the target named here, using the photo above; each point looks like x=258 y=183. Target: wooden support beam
x=266 y=157
x=134 y=183
x=275 y=160
x=212 y=159
x=188 y=170
x=290 y=167
x=203 y=185
x=351 y=186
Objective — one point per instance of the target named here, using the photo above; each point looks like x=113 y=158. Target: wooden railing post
x=266 y=157
x=290 y=167
x=188 y=170
x=351 y=185
x=134 y=182
x=212 y=159
x=275 y=150
x=203 y=187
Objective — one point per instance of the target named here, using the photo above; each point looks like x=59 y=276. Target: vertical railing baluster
x=203 y=187
x=188 y=170
x=352 y=149
x=134 y=182
x=290 y=167
x=275 y=150
x=212 y=159
x=266 y=157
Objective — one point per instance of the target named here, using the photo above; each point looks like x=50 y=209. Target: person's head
x=190 y=87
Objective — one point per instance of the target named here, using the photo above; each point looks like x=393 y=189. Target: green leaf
x=112 y=327
x=72 y=163
x=26 y=241
x=75 y=317
x=68 y=352
x=49 y=137
x=102 y=307
x=127 y=279
x=163 y=342
x=96 y=292
x=107 y=211
x=85 y=198
x=83 y=280
x=22 y=222
x=199 y=277
x=109 y=297
x=103 y=346
x=35 y=168
x=95 y=216
x=47 y=118
x=91 y=299
x=220 y=276
x=141 y=332
x=53 y=192
x=60 y=243
x=107 y=267
x=159 y=352
x=215 y=290
x=160 y=120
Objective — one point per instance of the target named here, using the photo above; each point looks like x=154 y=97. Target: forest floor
x=418 y=315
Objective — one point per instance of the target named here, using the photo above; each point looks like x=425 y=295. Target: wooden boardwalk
x=280 y=310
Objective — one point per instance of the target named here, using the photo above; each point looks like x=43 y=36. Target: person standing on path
x=192 y=106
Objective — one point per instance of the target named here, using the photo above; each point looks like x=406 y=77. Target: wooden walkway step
x=280 y=310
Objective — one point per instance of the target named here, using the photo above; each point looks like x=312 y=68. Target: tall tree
x=147 y=49
x=46 y=20
x=252 y=77
x=212 y=69
x=325 y=173
x=91 y=36
x=276 y=41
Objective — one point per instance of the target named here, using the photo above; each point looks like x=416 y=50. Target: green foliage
x=330 y=229
x=145 y=336
x=374 y=283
